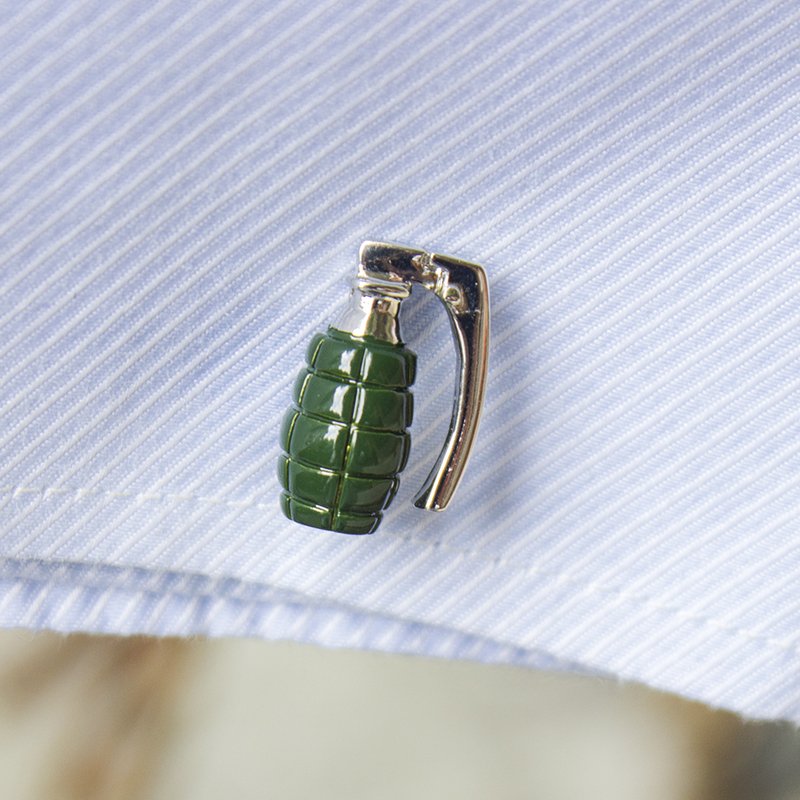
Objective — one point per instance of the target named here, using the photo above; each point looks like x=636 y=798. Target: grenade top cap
x=397 y=266
x=386 y=273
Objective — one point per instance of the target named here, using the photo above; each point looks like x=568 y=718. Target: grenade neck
x=374 y=310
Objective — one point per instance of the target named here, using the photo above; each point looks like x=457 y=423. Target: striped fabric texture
x=183 y=190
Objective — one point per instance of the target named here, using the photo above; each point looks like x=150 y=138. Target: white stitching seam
x=61 y=493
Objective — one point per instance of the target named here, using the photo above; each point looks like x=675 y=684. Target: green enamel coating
x=312 y=484
x=345 y=438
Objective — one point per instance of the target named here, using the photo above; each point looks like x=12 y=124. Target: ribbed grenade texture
x=345 y=438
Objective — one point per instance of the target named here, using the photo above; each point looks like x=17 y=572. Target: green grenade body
x=345 y=439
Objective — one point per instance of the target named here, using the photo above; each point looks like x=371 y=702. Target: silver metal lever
x=385 y=277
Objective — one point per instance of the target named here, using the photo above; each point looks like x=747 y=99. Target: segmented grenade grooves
x=345 y=439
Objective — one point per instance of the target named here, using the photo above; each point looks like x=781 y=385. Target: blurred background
x=104 y=717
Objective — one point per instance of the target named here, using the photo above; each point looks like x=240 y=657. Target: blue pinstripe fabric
x=183 y=189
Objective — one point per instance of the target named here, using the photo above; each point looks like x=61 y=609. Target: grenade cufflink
x=345 y=439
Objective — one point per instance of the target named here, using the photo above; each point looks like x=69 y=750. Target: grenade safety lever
x=345 y=439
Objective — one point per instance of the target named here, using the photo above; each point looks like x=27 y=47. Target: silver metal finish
x=386 y=274
x=373 y=312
